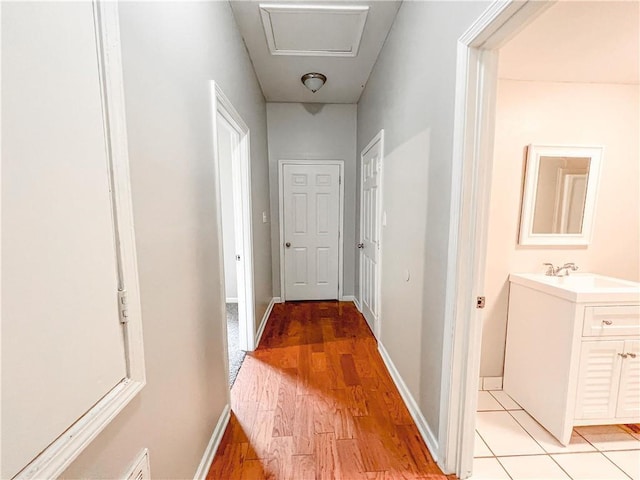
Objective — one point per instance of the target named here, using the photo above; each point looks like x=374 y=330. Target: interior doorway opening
x=233 y=174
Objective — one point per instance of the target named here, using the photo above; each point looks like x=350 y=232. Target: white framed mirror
x=560 y=191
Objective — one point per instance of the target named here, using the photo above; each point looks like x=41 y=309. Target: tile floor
x=511 y=445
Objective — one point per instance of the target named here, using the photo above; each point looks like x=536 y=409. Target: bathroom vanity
x=573 y=350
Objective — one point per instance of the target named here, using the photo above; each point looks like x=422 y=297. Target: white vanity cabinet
x=573 y=350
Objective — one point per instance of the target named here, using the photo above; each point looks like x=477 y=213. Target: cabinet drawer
x=611 y=321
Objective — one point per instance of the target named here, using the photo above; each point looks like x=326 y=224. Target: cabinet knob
x=607 y=322
x=624 y=355
x=632 y=355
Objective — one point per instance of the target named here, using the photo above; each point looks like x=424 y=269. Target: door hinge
x=340 y=180
x=122 y=306
x=480 y=301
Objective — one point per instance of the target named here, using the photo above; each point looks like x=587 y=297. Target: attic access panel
x=314 y=30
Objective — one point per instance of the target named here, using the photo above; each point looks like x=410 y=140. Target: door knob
x=288 y=244
x=361 y=245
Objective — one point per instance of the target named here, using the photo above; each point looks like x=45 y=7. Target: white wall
x=314 y=131
x=171 y=51
x=226 y=141
x=551 y=113
x=411 y=95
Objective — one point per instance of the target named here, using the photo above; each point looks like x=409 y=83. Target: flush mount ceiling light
x=313 y=81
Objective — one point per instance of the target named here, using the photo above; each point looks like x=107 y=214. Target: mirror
x=559 y=195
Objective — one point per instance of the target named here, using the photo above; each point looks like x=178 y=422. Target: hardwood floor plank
x=351 y=377
x=281 y=450
x=315 y=401
x=261 y=435
x=285 y=409
x=324 y=408
x=303 y=467
x=326 y=457
x=303 y=426
x=350 y=459
x=228 y=465
x=253 y=470
x=318 y=362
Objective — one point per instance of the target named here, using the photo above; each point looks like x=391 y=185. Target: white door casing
x=474 y=118
x=311 y=222
x=371 y=230
x=226 y=119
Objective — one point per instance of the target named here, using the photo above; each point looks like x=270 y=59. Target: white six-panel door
x=311 y=227
x=370 y=231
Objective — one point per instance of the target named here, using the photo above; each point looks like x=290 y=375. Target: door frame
x=243 y=218
x=379 y=137
x=281 y=164
x=53 y=460
x=474 y=120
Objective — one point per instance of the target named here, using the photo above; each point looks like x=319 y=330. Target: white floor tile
x=487 y=403
x=504 y=436
x=628 y=461
x=533 y=467
x=609 y=437
x=589 y=466
x=488 y=469
x=505 y=400
x=548 y=441
x=480 y=448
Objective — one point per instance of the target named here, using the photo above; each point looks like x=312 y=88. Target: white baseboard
x=490 y=383
x=265 y=318
x=421 y=422
x=352 y=298
x=277 y=300
x=213 y=445
x=232 y=300
x=357 y=304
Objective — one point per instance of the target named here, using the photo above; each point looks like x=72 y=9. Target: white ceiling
x=596 y=42
x=297 y=39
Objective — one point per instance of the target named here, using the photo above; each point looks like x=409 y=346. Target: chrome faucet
x=553 y=271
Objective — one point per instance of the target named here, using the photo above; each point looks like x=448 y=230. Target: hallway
x=316 y=401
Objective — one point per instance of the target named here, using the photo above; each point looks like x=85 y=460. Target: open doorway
x=231 y=146
x=510 y=107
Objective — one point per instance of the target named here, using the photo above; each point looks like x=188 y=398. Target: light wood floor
x=315 y=401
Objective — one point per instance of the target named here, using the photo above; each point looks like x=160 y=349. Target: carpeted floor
x=236 y=356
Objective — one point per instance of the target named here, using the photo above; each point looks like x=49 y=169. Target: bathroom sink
x=581 y=287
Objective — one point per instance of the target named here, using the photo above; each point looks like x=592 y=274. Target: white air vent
x=140 y=469
x=314 y=30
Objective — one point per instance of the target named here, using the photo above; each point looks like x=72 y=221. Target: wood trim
x=377 y=328
x=534 y=153
x=222 y=105
x=281 y=164
x=52 y=461
x=265 y=319
x=423 y=427
x=214 y=443
x=267 y=9
x=474 y=118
